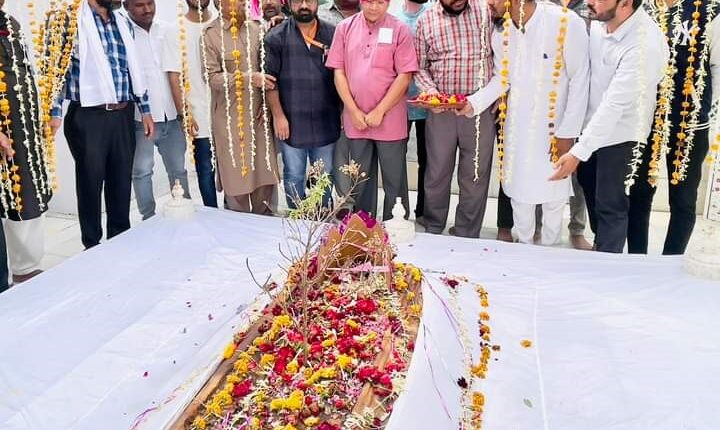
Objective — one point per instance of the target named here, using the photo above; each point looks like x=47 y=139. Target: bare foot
x=505 y=235
x=579 y=242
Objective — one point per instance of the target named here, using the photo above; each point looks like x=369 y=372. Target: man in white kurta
x=527 y=162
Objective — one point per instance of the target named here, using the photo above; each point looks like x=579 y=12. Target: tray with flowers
x=439 y=101
x=332 y=348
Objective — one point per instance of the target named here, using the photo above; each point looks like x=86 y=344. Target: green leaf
x=528 y=403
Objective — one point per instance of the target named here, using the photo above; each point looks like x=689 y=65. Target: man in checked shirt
x=103 y=84
x=449 y=41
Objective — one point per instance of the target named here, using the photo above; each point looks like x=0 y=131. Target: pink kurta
x=372 y=56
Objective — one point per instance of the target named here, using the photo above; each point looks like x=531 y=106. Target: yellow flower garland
x=552 y=96
x=10 y=175
x=505 y=82
x=688 y=91
x=238 y=77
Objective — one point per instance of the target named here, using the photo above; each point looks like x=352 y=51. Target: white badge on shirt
x=385 y=35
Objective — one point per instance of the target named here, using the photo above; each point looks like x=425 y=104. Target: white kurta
x=532 y=58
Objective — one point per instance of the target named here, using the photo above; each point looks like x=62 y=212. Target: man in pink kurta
x=374 y=59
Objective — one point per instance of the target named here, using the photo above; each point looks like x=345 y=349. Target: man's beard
x=451 y=11
x=604 y=17
x=419 y=1
x=198 y=4
x=304 y=18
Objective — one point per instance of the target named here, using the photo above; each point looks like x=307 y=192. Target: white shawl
x=96 y=81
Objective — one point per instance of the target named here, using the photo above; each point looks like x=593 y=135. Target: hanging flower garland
x=226 y=88
x=265 y=115
x=24 y=116
x=251 y=103
x=187 y=116
x=505 y=83
x=206 y=75
x=557 y=70
x=11 y=177
x=666 y=94
x=484 y=52
x=639 y=149
x=700 y=84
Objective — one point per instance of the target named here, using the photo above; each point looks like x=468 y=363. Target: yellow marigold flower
x=311 y=421
x=286 y=427
x=415 y=309
x=258 y=341
x=254 y=423
x=400 y=283
x=327 y=343
x=399 y=266
x=229 y=351
x=478 y=401
x=525 y=343
x=199 y=423
x=267 y=359
x=484 y=316
x=410 y=295
x=233 y=378
x=352 y=324
x=214 y=409
x=344 y=361
x=292 y=367
x=283 y=320
x=276 y=404
x=416 y=274
x=296 y=400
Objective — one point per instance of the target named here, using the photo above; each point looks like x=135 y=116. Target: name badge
x=385 y=35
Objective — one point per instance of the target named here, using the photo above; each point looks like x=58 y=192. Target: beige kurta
x=230 y=177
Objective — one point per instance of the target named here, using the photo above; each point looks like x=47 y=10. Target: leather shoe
x=19 y=279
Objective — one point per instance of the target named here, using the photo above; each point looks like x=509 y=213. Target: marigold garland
x=185 y=88
x=505 y=83
x=557 y=70
x=226 y=87
x=10 y=175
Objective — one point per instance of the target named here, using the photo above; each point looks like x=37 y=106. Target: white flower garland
x=698 y=95
x=23 y=115
x=226 y=86
x=639 y=148
x=251 y=104
x=484 y=52
x=510 y=150
x=266 y=116
x=208 y=90
x=466 y=342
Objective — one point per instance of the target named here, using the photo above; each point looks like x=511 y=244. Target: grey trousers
x=341 y=157
x=393 y=166
x=447 y=133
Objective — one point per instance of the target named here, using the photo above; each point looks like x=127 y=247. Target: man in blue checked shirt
x=103 y=84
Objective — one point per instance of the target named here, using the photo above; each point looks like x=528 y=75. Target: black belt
x=106 y=107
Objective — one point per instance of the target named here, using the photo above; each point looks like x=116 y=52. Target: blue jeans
x=205 y=172
x=170 y=140
x=295 y=169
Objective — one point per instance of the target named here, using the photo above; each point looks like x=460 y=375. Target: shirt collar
x=625 y=28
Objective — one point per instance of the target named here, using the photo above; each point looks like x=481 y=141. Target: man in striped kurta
x=454 y=55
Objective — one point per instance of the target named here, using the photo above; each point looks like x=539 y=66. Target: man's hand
x=261 y=80
x=5 y=147
x=564 y=145
x=467 y=110
x=374 y=118
x=565 y=166
x=277 y=19
x=282 y=127
x=358 y=119
x=148 y=125
x=55 y=124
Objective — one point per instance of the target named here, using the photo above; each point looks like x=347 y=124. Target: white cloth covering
x=96 y=81
x=620 y=342
x=532 y=59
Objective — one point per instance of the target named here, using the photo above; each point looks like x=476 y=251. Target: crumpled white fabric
x=620 y=342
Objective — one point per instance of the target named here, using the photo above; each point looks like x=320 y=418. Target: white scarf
x=96 y=82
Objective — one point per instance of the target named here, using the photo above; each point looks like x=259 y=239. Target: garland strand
x=187 y=116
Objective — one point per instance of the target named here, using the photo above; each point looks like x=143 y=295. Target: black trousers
x=4 y=271
x=422 y=163
x=683 y=200
x=603 y=180
x=102 y=144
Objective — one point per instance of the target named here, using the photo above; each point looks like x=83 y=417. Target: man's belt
x=109 y=107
